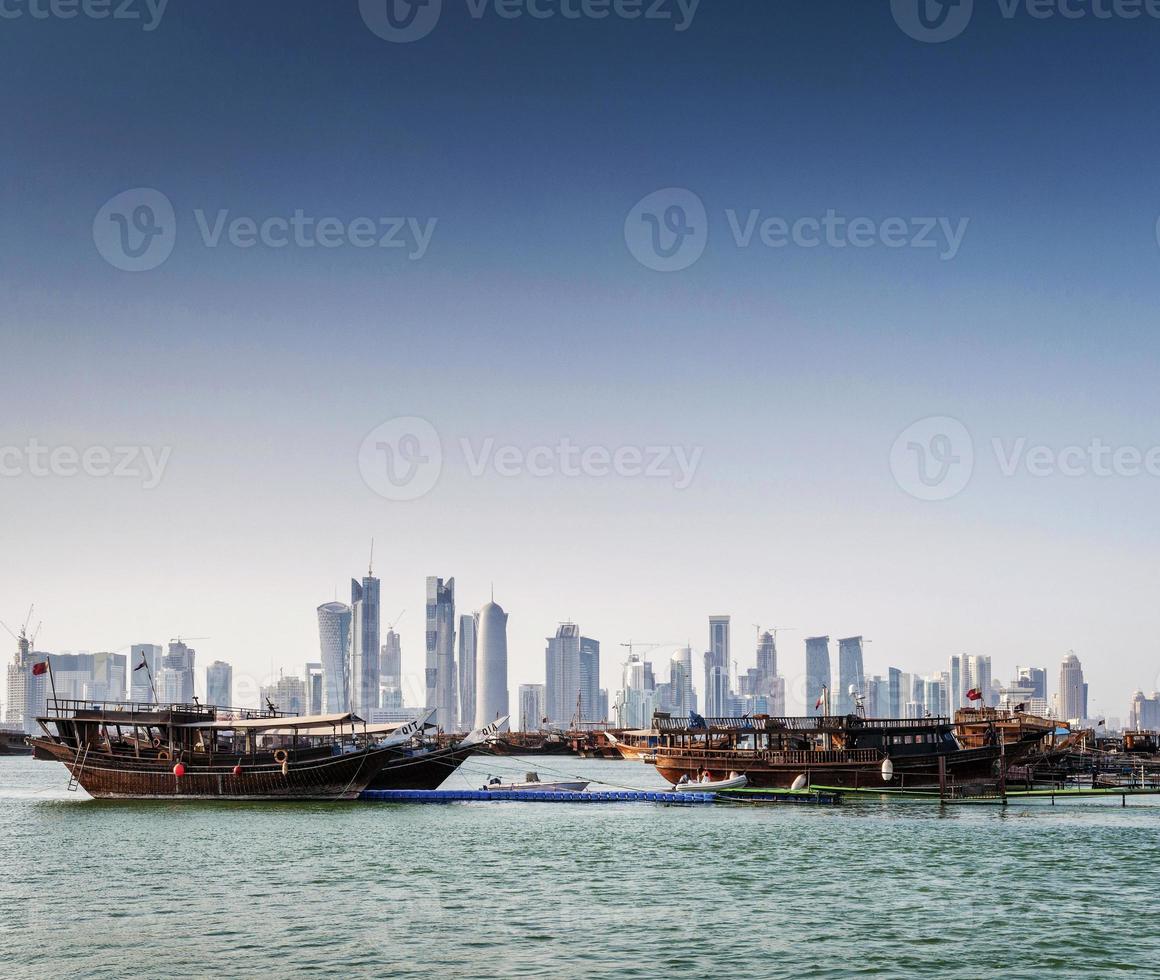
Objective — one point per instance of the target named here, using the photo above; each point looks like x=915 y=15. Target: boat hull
x=428 y=771
x=772 y=771
x=329 y=778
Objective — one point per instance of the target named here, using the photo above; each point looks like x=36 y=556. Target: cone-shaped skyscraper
x=491 y=676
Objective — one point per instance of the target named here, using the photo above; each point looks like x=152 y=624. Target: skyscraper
x=219 y=684
x=1034 y=678
x=1073 y=690
x=894 y=703
x=141 y=681
x=589 y=679
x=441 y=680
x=468 y=629
x=334 y=639
x=491 y=681
x=817 y=671
x=391 y=672
x=562 y=674
x=532 y=711
x=27 y=692
x=313 y=688
x=681 y=682
x=717 y=667
x=977 y=676
x=176 y=674
x=364 y=656
x=850 y=673
x=287 y=694
x=767 y=655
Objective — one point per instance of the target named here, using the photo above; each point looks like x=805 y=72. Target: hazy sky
x=1002 y=271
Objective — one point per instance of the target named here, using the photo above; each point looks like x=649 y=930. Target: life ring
x=156 y=743
x=281 y=755
x=164 y=755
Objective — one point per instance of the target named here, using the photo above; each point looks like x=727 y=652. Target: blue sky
x=527 y=319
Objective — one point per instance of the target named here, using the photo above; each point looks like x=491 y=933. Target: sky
x=793 y=312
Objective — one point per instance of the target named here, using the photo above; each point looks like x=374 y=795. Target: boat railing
x=793 y=757
x=811 y=723
x=65 y=708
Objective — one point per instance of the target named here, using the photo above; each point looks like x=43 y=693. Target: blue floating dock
x=532 y=796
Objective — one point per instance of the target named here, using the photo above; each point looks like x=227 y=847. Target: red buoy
x=237 y=770
x=179 y=770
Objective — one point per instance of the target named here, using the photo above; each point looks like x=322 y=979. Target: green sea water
x=113 y=890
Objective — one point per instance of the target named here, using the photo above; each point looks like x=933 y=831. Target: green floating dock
x=1011 y=796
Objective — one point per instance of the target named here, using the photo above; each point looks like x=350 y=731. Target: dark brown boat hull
x=108 y=777
x=420 y=772
x=966 y=766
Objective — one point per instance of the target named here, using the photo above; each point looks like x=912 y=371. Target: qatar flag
x=41 y=668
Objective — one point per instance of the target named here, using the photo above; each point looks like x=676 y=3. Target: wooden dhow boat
x=837 y=751
x=421 y=762
x=123 y=750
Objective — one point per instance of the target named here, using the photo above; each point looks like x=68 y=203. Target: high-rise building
x=1073 y=691
x=1144 y=713
x=894 y=700
x=287 y=694
x=637 y=700
x=817 y=672
x=219 y=684
x=107 y=677
x=590 y=679
x=177 y=668
x=562 y=674
x=851 y=673
x=27 y=692
x=1034 y=678
x=391 y=672
x=977 y=676
x=141 y=679
x=717 y=667
x=440 y=671
x=313 y=688
x=681 y=682
x=365 y=653
x=491 y=680
x=334 y=641
x=877 y=697
x=468 y=630
x=532 y=710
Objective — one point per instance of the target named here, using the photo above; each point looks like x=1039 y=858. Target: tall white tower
x=491 y=688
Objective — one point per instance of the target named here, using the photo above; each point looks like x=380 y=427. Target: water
x=116 y=890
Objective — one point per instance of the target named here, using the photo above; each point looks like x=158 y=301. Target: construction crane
x=182 y=639
x=402 y=613
x=631 y=644
x=23 y=635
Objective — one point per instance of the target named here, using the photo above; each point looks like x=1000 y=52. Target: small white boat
x=532 y=781
x=712 y=786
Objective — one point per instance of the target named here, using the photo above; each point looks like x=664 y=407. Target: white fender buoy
x=800 y=782
x=887 y=770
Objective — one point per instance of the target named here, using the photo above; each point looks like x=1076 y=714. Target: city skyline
x=909 y=692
